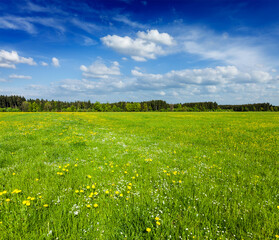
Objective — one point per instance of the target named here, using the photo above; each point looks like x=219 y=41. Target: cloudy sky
x=131 y=50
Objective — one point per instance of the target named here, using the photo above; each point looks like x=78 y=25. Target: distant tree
x=129 y=107
x=98 y=107
x=47 y=107
x=145 y=107
x=137 y=107
x=25 y=107
x=35 y=107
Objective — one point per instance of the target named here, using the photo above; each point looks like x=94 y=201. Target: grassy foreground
x=139 y=175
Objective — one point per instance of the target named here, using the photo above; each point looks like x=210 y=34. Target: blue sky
x=179 y=51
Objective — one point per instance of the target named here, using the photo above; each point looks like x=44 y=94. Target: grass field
x=139 y=175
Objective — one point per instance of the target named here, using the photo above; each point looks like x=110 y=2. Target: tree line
x=20 y=104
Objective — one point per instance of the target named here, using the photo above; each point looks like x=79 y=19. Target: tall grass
x=139 y=175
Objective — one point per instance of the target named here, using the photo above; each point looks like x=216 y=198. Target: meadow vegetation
x=139 y=175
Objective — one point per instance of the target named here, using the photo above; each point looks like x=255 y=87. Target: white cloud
x=10 y=59
x=242 y=52
x=3 y=80
x=27 y=24
x=16 y=23
x=19 y=76
x=155 y=36
x=146 y=46
x=220 y=75
x=44 y=64
x=99 y=70
x=55 y=62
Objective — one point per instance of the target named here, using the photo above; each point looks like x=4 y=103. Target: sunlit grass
x=139 y=175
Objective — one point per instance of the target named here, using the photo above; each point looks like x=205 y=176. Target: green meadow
x=139 y=175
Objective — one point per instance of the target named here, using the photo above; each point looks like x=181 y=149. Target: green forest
x=21 y=104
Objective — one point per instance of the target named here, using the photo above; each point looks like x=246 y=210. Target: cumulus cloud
x=15 y=76
x=99 y=70
x=55 y=62
x=145 y=46
x=10 y=59
x=220 y=75
x=155 y=36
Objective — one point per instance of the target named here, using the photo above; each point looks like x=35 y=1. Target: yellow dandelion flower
x=158 y=223
x=107 y=192
x=45 y=205
x=27 y=203
x=8 y=200
x=128 y=192
x=148 y=229
x=121 y=195
x=37 y=179
x=129 y=187
x=89 y=176
x=88 y=206
x=81 y=191
x=116 y=192
x=13 y=174
x=157 y=218
x=75 y=165
x=95 y=205
x=180 y=181
x=0 y=222
x=29 y=197
x=93 y=186
x=127 y=198
x=32 y=198
x=88 y=187
x=278 y=207
x=77 y=191
x=277 y=236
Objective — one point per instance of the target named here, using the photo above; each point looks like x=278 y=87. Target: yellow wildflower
x=95 y=205
x=158 y=223
x=45 y=205
x=148 y=229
